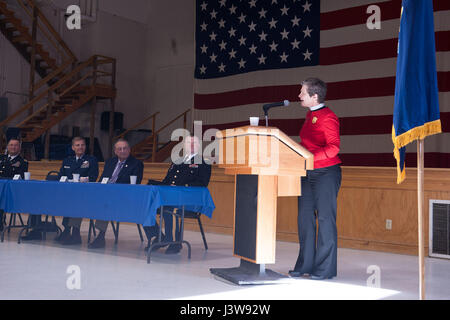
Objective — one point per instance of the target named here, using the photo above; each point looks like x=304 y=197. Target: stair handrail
x=184 y=114
x=53 y=74
x=87 y=75
x=50 y=28
x=154 y=134
x=153 y=117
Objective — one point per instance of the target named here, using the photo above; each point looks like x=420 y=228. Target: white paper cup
x=26 y=175
x=76 y=177
x=254 y=121
x=133 y=179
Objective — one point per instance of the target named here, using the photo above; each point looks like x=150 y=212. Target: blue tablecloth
x=111 y=202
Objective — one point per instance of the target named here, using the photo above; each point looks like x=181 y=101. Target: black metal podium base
x=248 y=273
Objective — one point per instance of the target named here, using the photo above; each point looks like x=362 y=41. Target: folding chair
x=52 y=176
x=196 y=215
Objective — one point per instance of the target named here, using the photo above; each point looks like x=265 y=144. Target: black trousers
x=318 y=250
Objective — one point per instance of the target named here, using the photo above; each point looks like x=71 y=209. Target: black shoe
x=155 y=240
x=63 y=236
x=314 y=277
x=32 y=235
x=297 y=274
x=98 y=243
x=173 y=248
x=72 y=240
x=155 y=245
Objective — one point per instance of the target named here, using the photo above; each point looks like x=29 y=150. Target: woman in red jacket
x=320 y=135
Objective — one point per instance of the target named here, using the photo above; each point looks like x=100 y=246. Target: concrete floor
x=46 y=270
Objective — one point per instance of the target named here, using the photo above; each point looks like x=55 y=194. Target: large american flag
x=252 y=52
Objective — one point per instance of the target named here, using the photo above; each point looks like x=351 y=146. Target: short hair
x=75 y=139
x=316 y=86
x=121 y=140
x=15 y=138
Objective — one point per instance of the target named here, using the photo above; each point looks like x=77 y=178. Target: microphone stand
x=266 y=116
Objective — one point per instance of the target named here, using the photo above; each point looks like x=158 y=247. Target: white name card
x=63 y=179
x=105 y=180
x=17 y=177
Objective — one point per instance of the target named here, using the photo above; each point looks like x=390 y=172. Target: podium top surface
x=266 y=131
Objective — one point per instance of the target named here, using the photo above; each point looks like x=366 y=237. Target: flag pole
x=420 y=198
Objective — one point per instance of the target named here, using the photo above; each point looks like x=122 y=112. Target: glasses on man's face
x=122 y=148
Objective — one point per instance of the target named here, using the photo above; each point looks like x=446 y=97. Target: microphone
x=267 y=106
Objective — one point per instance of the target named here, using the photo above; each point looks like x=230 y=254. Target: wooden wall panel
x=368 y=196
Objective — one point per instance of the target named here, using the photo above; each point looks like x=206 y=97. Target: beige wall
x=170 y=69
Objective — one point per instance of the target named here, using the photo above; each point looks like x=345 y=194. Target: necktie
x=116 y=172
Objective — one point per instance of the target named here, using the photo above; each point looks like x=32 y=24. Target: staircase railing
x=154 y=134
x=152 y=117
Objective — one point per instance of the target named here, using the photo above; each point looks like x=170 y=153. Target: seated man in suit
x=11 y=164
x=87 y=167
x=118 y=169
x=193 y=171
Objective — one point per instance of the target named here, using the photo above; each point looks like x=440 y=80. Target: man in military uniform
x=11 y=164
x=193 y=171
x=87 y=167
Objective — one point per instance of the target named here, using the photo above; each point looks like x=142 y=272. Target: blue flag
x=416 y=106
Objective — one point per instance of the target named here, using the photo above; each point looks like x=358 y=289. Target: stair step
x=39 y=48
x=146 y=149
x=19 y=39
x=78 y=93
x=12 y=30
x=63 y=101
x=6 y=11
x=72 y=97
x=50 y=61
x=26 y=129
x=35 y=124
x=56 y=109
x=11 y=20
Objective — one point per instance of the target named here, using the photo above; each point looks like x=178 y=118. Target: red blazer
x=320 y=135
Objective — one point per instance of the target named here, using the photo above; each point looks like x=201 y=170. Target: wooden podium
x=267 y=164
